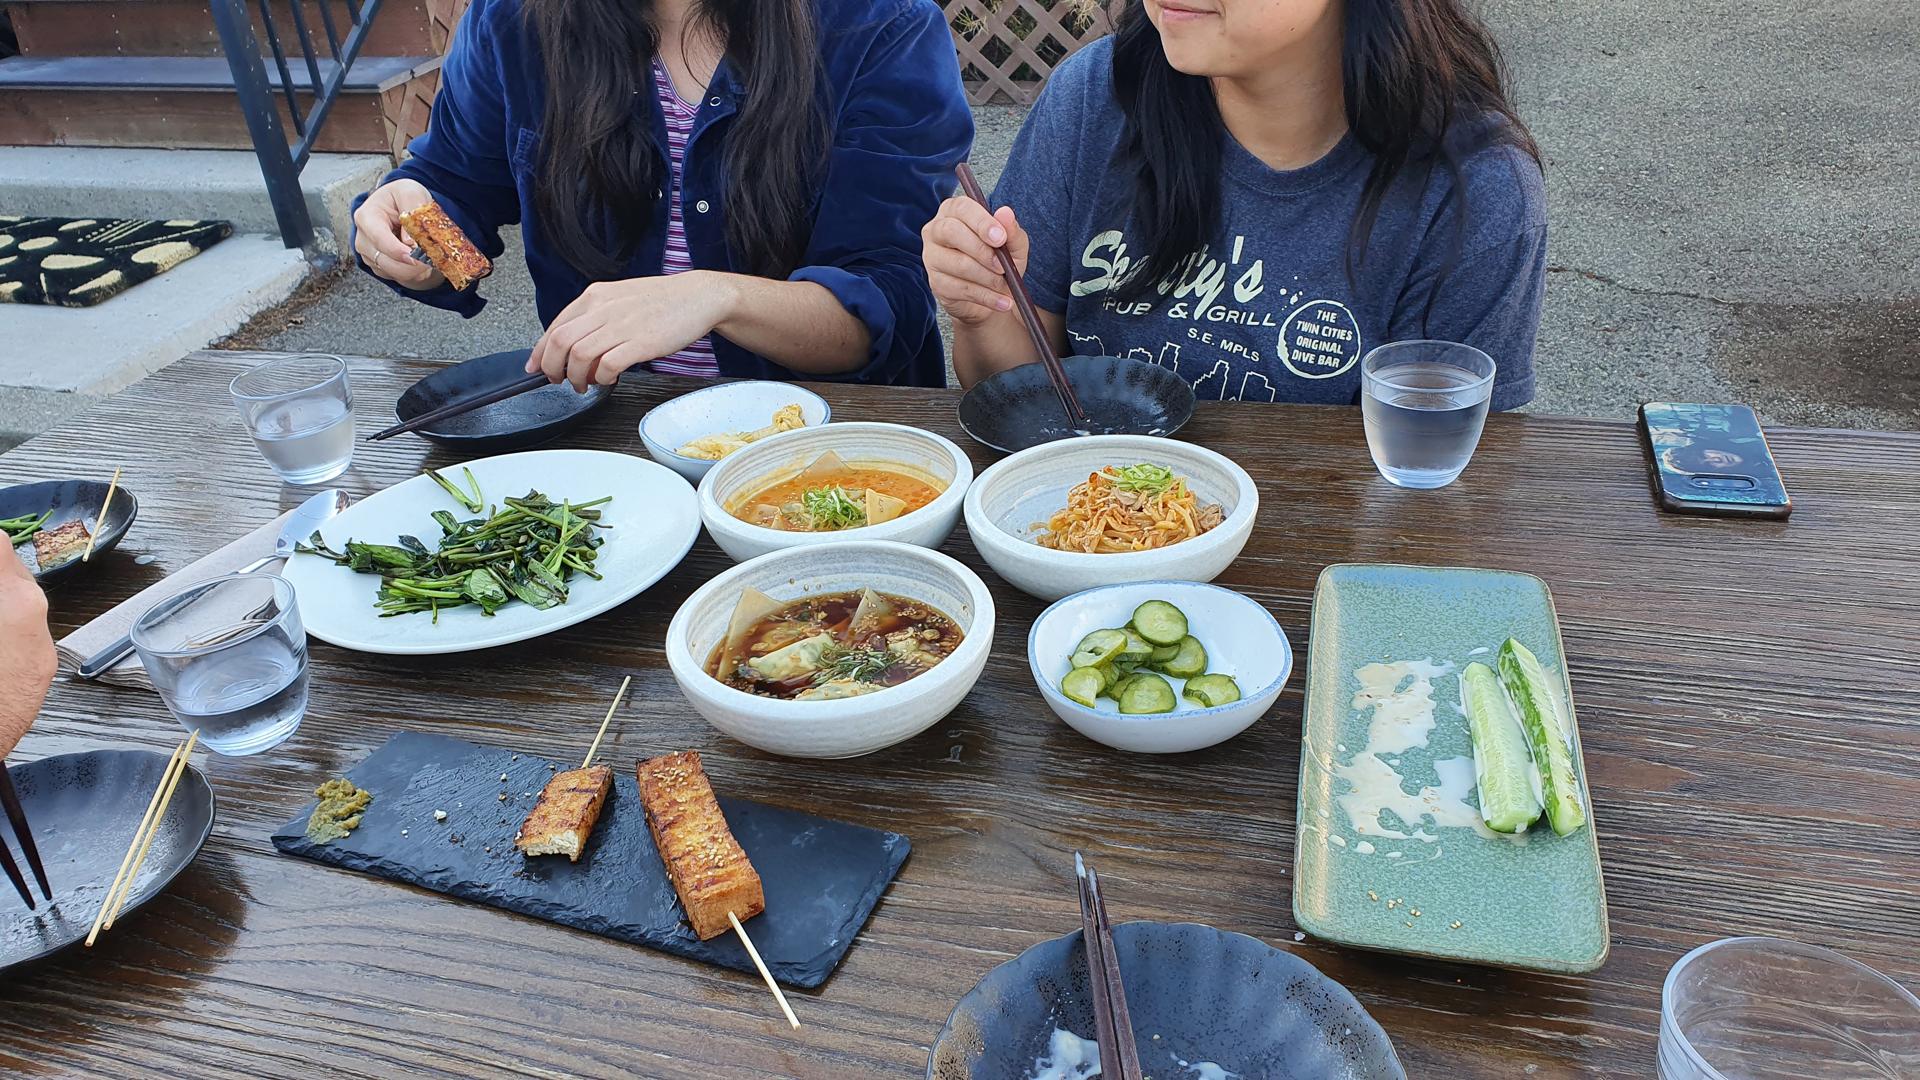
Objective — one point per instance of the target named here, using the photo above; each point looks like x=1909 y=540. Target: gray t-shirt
x=1267 y=312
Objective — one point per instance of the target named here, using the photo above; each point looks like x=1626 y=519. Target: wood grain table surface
x=1748 y=692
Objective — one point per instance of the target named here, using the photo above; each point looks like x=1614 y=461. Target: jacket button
x=701 y=206
x=715 y=102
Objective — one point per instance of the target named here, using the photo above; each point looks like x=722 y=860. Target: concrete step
x=76 y=181
x=57 y=360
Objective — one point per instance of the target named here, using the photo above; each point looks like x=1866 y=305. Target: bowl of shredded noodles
x=1104 y=509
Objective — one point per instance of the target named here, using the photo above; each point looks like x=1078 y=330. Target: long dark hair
x=598 y=162
x=1424 y=85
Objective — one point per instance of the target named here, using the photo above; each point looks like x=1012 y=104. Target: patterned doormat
x=78 y=262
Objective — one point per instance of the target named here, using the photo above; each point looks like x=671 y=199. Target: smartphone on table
x=1712 y=459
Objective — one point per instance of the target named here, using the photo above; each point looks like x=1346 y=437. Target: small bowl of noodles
x=1105 y=509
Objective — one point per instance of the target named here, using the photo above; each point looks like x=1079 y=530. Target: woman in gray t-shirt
x=1256 y=192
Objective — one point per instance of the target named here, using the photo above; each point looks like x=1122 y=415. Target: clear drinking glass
x=299 y=411
x=1760 y=1008
x=1424 y=403
x=229 y=657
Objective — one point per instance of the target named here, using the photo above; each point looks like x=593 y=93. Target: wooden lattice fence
x=1008 y=47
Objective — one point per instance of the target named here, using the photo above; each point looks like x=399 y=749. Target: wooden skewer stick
x=152 y=805
x=186 y=759
x=105 y=505
x=764 y=973
x=602 y=733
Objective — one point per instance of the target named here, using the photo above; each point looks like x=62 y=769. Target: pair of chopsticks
x=464 y=405
x=1113 y=1026
x=142 y=839
x=731 y=917
x=18 y=817
x=1023 y=301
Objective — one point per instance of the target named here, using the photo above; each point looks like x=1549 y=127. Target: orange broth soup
x=811 y=501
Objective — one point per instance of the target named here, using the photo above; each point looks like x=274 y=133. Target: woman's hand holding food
x=27 y=662
x=617 y=324
x=381 y=243
x=962 y=265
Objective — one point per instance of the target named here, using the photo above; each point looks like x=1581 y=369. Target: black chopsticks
x=465 y=405
x=1022 y=301
x=1113 y=1025
x=18 y=817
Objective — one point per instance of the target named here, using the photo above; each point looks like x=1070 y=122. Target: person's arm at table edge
x=27 y=659
x=1001 y=342
x=799 y=325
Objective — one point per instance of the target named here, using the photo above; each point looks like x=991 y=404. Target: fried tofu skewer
x=570 y=804
x=717 y=885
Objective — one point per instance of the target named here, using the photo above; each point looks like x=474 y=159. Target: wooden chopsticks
x=142 y=839
x=602 y=733
x=1113 y=1025
x=1023 y=302
x=464 y=405
x=18 y=817
x=106 y=504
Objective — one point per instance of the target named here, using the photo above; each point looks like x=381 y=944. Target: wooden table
x=1749 y=696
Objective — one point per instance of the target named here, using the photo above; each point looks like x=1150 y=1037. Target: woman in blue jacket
x=709 y=187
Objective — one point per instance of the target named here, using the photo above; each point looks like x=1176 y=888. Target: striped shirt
x=697 y=358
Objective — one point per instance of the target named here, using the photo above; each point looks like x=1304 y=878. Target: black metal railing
x=280 y=159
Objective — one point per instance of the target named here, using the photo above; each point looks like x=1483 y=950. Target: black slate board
x=822 y=878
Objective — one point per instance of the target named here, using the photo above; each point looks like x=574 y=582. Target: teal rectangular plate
x=1537 y=906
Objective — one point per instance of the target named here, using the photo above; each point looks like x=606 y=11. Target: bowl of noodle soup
x=1105 y=509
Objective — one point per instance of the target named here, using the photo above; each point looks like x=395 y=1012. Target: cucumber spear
x=1547 y=730
x=1503 y=770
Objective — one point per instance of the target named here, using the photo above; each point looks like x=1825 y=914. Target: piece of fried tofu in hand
x=563 y=817
x=445 y=245
x=708 y=868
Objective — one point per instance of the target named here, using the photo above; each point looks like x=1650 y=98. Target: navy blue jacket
x=900 y=124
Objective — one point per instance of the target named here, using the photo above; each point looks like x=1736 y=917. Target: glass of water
x=299 y=411
x=229 y=657
x=1424 y=403
x=1761 y=1008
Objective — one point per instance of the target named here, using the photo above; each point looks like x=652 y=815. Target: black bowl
x=1017 y=408
x=83 y=808
x=71 y=500
x=523 y=420
x=1194 y=993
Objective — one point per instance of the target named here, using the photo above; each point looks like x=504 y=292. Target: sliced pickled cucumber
x=1502 y=766
x=1160 y=622
x=1164 y=653
x=1147 y=693
x=1538 y=703
x=1099 y=647
x=1211 y=690
x=1191 y=660
x=1109 y=676
x=1138 y=650
x=1084 y=685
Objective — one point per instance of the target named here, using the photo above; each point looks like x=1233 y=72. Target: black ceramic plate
x=523 y=420
x=71 y=500
x=822 y=878
x=1017 y=408
x=84 y=809
x=1198 y=997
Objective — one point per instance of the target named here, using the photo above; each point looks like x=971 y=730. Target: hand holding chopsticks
x=1023 y=303
x=142 y=839
x=1113 y=1025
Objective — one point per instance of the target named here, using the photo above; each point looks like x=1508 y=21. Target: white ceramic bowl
x=851 y=726
x=717 y=410
x=749 y=469
x=1021 y=492
x=1241 y=638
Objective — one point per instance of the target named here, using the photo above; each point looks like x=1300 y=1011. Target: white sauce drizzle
x=1069 y=1057
x=1399 y=697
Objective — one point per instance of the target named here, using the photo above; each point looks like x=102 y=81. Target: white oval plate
x=653 y=521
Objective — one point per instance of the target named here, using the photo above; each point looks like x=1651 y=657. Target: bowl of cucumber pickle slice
x=1159 y=667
